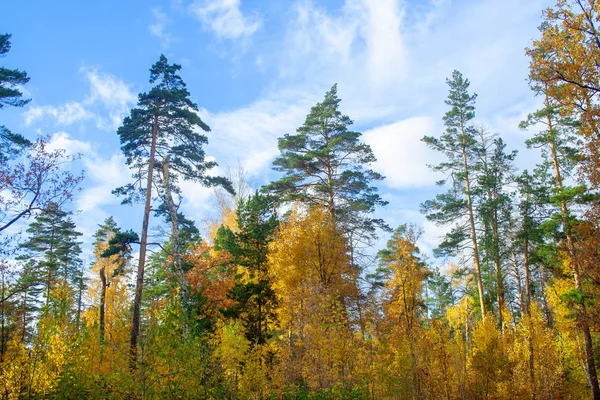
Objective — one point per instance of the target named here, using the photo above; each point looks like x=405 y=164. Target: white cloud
x=107 y=102
x=401 y=156
x=250 y=134
x=225 y=18
x=105 y=173
x=62 y=140
x=157 y=29
x=67 y=114
x=112 y=93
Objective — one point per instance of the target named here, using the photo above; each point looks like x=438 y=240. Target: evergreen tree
x=325 y=163
x=439 y=294
x=10 y=95
x=495 y=168
x=161 y=144
x=53 y=263
x=459 y=145
x=248 y=245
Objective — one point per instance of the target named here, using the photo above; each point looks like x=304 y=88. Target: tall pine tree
x=162 y=145
x=459 y=145
x=326 y=163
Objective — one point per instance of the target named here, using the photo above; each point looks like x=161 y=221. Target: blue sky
x=255 y=67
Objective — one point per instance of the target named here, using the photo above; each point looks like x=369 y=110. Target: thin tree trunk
x=176 y=247
x=520 y=294
x=498 y=267
x=3 y=337
x=79 y=299
x=527 y=309
x=102 y=303
x=24 y=333
x=473 y=234
x=589 y=350
x=139 y=284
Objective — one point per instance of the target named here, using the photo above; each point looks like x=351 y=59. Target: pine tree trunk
x=498 y=267
x=176 y=247
x=473 y=234
x=102 y=304
x=139 y=284
x=591 y=372
x=520 y=294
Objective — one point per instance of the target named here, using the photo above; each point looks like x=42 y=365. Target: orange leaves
x=212 y=275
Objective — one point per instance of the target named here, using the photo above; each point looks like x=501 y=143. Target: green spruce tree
x=253 y=295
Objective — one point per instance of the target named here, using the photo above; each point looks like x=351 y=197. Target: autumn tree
x=405 y=308
x=560 y=152
x=313 y=279
x=35 y=183
x=110 y=263
x=161 y=144
x=564 y=65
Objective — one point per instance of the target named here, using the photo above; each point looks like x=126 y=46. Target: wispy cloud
x=112 y=93
x=225 y=18
x=107 y=102
x=66 y=114
x=158 y=28
x=104 y=172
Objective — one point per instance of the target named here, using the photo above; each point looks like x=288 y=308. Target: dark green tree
x=494 y=174
x=162 y=145
x=10 y=79
x=248 y=246
x=52 y=257
x=439 y=294
x=456 y=207
x=325 y=163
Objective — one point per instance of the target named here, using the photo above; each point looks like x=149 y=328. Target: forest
x=285 y=294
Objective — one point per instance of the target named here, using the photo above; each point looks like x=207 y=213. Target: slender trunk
x=527 y=274
x=3 y=337
x=498 y=267
x=102 y=304
x=50 y=267
x=139 y=284
x=520 y=294
x=589 y=350
x=79 y=299
x=260 y=335
x=24 y=332
x=527 y=309
x=330 y=197
x=473 y=234
x=183 y=288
